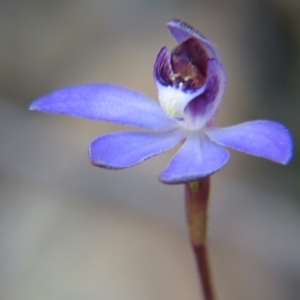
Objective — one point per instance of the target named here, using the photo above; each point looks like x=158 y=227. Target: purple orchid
x=190 y=81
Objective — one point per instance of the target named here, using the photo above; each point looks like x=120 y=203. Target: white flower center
x=174 y=100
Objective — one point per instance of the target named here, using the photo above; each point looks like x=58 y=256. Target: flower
x=190 y=81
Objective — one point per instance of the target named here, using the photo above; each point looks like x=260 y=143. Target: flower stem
x=196 y=197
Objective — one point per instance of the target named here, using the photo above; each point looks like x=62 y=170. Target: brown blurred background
x=69 y=230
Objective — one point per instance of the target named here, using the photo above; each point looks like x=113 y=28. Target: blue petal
x=198 y=157
x=182 y=31
x=204 y=106
x=162 y=71
x=262 y=138
x=124 y=149
x=106 y=102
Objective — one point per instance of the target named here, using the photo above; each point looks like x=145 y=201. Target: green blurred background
x=69 y=230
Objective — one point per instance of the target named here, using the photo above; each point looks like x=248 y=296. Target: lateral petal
x=124 y=149
x=262 y=138
x=106 y=102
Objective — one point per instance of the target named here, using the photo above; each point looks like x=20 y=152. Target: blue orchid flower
x=190 y=81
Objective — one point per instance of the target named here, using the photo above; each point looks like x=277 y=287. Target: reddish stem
x=196 y=197
x=204 y=272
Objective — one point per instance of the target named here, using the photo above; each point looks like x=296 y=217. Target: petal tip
x=174 y=180
x=186 y=179
x=32 y=106
x=285 y=145
x=179 y=24
x=105 y=166
x=102 y=164
x=173 y=22
x=287 y=152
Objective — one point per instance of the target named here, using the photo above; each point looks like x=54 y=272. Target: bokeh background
x=69 y=230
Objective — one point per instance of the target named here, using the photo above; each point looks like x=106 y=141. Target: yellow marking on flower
x=188 y=77
x=174 y=76
x=168 y=102
x=171 y=100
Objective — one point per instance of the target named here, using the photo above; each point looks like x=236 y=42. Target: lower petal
x=262 y=138
x=124 y=149
x=198 y=157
